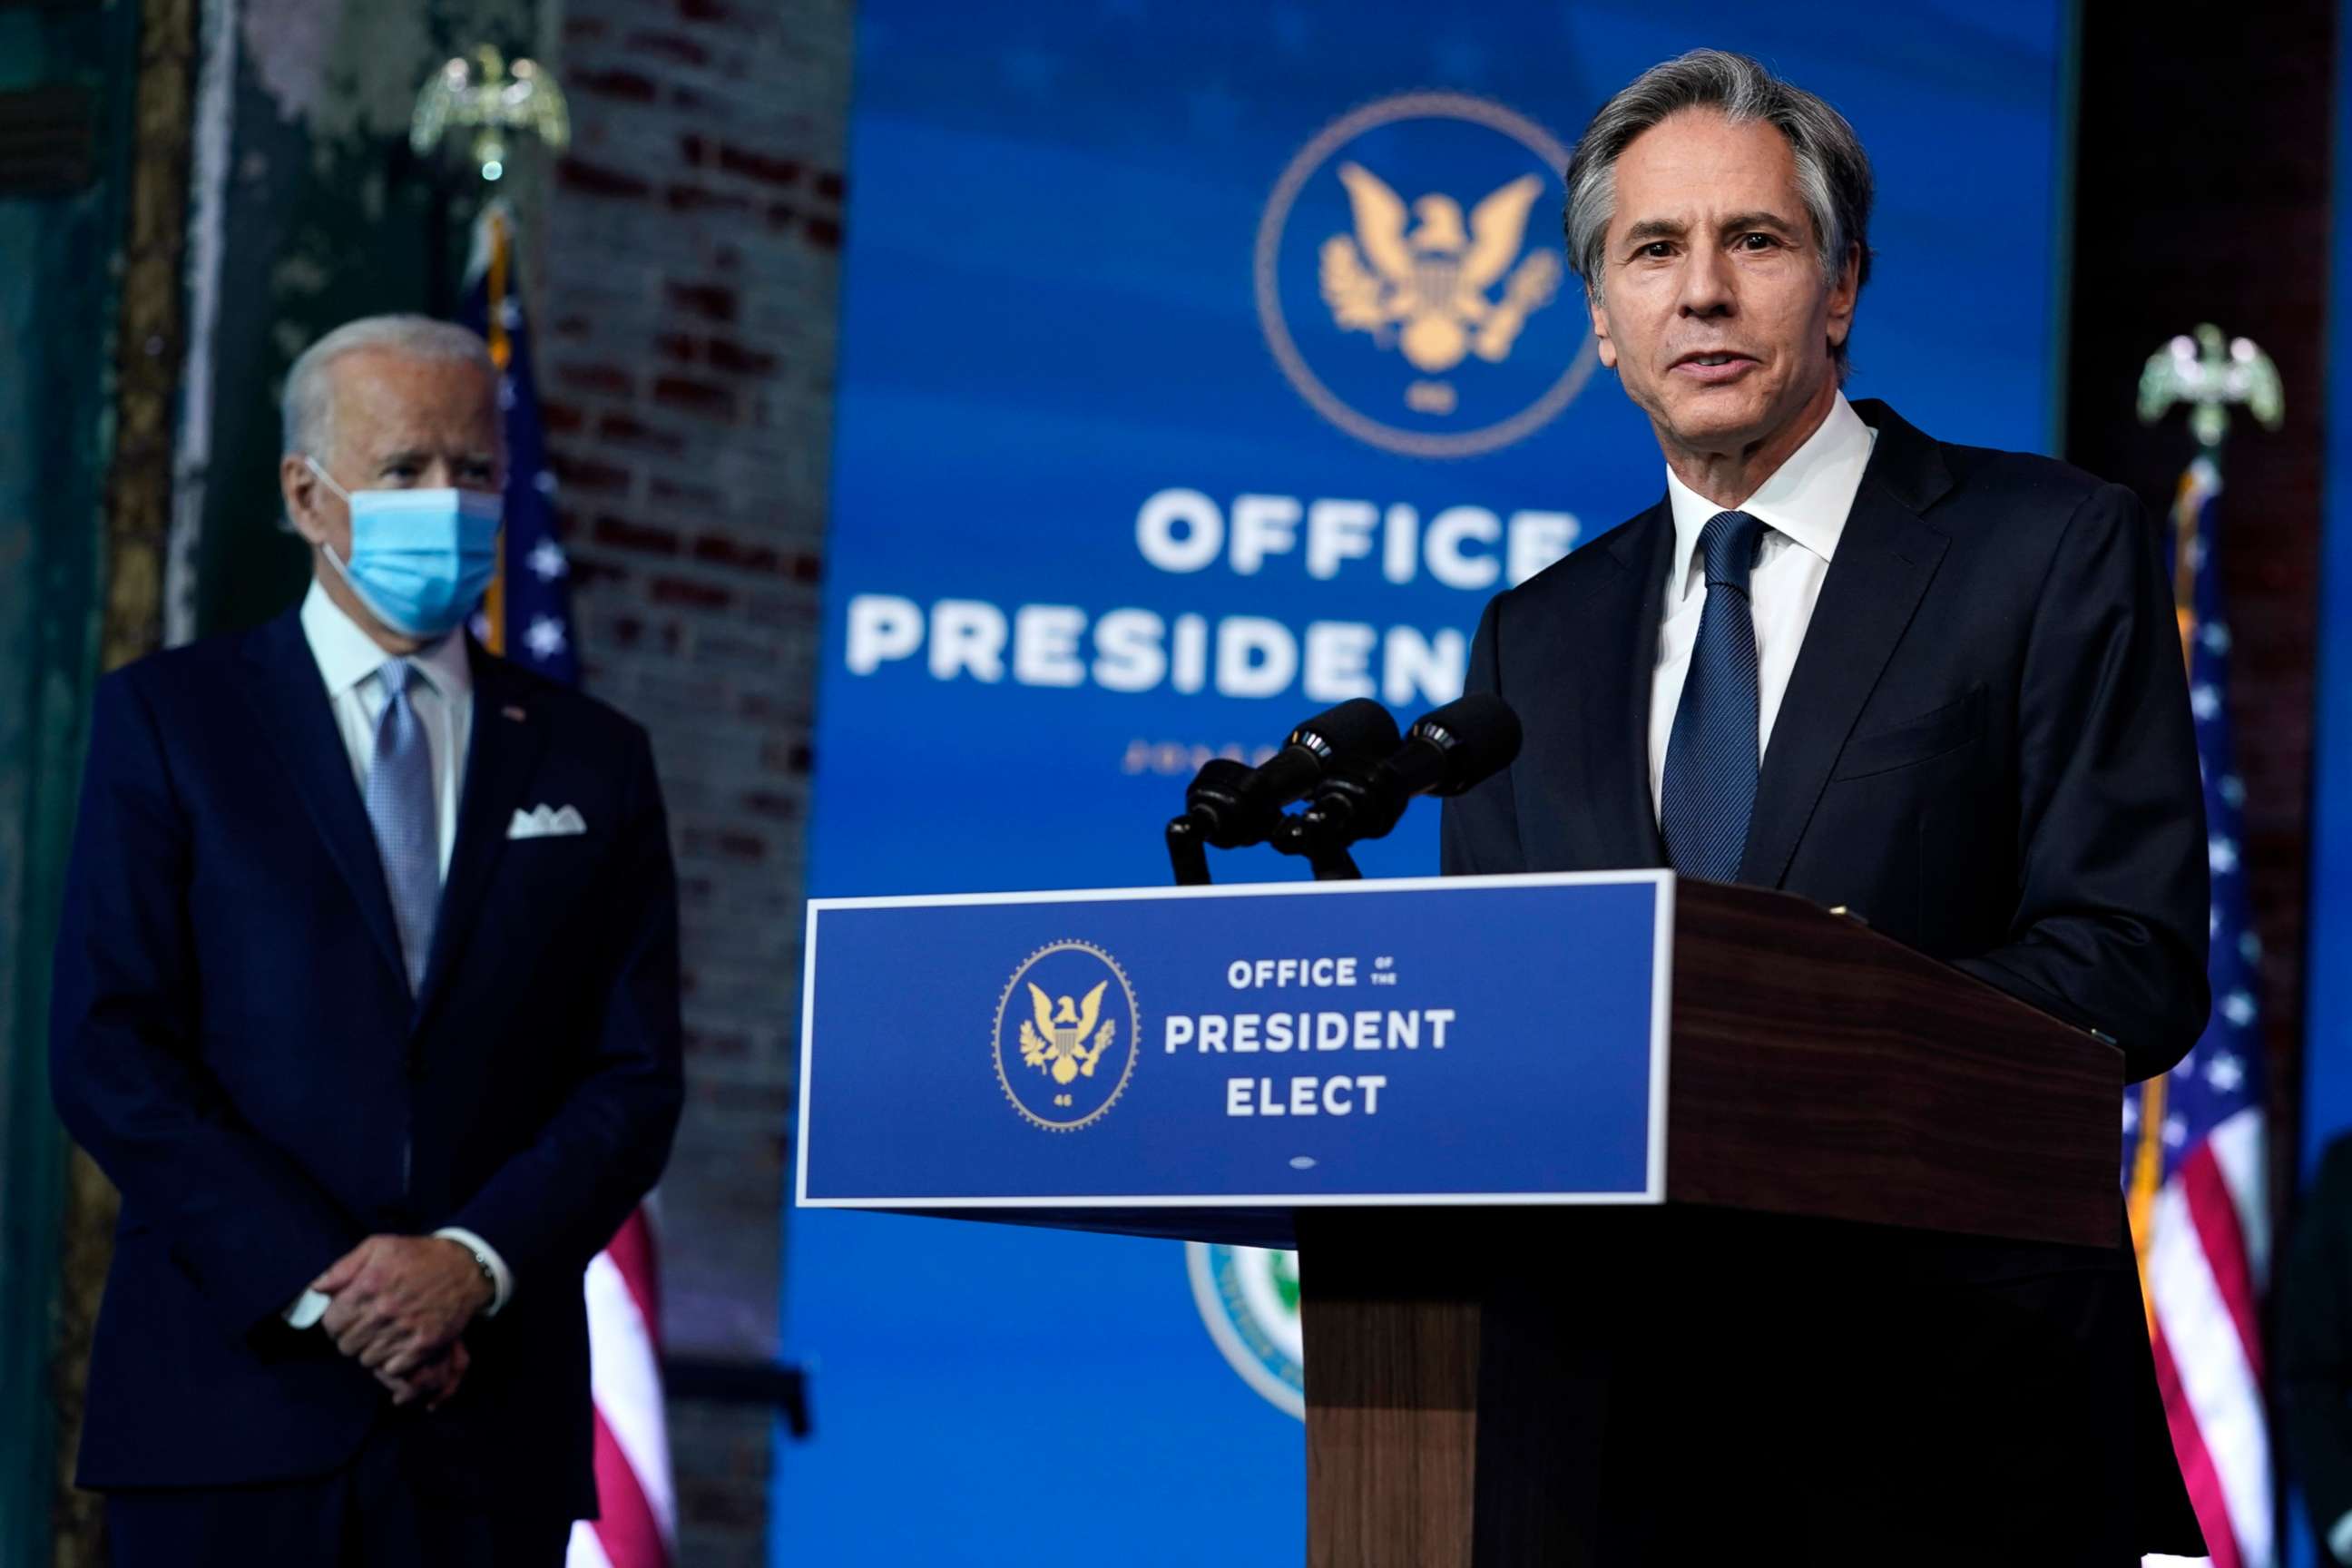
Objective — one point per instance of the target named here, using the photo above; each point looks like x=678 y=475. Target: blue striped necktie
x=401 y=809
x=1709 y=789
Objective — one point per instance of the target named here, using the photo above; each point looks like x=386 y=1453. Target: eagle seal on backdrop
x=1418 y=278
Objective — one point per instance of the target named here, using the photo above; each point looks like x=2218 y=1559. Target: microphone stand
x=1188 y=856
x=1188 y=853
x=1326 y=855
x=1334 y=865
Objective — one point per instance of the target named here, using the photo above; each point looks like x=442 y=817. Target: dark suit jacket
x=2314 y=1350
x=233 y=1041
x=1985 y=749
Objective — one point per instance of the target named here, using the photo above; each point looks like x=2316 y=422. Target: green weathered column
x=64 y=75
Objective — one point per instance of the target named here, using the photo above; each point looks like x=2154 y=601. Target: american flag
x=526 y=617
x=2193 y=1139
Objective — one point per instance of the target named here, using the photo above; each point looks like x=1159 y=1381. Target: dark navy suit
x=233 y=1041
x=1985 y=749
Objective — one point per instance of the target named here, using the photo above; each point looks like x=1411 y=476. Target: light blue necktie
x=401 y=807
x=1709 y=789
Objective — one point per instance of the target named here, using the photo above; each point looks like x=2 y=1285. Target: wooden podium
x=1832 y=1090
x=1803 y=1108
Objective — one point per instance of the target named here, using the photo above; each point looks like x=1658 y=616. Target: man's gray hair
x=1832 y=171
x=308 y=410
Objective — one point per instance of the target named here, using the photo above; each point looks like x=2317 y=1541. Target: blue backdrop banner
x=2327 y=1002
x=1202 y=367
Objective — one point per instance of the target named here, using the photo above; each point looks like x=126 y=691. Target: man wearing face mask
x=366 y=999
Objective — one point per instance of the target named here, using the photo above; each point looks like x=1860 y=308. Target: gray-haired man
x=1936 y=684
x=378 y=1062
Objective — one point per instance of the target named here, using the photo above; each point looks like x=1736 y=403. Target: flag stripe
x=2196 y=1464
x=2217 y=1399
x=2238 y=1148
x=625 y=1524
x=2215 y=1215
x=626 y=1379
x=585 y=1551
x=632 y=1252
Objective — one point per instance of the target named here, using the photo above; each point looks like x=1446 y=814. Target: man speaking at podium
x=1937 y=685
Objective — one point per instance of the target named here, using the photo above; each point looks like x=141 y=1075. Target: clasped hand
x=397 y=1306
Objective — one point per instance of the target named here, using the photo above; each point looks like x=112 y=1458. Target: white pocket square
x=547 y=822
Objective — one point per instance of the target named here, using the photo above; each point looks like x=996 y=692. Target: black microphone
x=1229 y=806
x=1212 y=802
x=1444 y=753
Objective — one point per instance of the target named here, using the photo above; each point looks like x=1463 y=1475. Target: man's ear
x=1601 y=338
x=1843 y=295
x=299 y=487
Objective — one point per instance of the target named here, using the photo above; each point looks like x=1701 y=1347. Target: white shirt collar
x=1807 y=498
x=347 y=656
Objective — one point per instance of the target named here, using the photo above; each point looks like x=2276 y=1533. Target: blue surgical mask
x=420 y=558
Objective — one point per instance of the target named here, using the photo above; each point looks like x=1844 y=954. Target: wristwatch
x=481 y=1262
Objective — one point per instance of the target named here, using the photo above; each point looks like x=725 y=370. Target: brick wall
x=686 y=291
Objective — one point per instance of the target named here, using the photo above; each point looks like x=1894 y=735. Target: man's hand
x=398 y=1304
x=436 y=1382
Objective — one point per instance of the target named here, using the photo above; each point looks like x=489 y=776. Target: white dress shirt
x=348 y=659
x=1803 y=507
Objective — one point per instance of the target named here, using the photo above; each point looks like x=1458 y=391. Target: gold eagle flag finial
x=2212 y=375
x=1061 y=1038
x=494 y=99
x=1419 y=278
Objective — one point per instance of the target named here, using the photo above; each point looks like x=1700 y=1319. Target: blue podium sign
x=1487 y=1040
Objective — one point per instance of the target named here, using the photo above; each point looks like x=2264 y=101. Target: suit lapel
x=1884 y=561
x=288 y=697
x=510 y=733
x=1591 y=768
